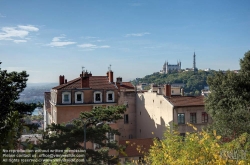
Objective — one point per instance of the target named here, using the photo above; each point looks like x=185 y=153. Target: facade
x=66 y=101
x=131 y=154
x=171 y=67
x=157 y=109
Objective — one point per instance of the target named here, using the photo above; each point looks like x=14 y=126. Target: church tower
x=164 y=67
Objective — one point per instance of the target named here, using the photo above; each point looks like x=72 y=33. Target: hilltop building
x=170 y=67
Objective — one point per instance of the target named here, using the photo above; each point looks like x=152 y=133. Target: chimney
x=65 y=81
x=107 y=74
x=167 y=90
x=118 y=82
x=182 y=92
x=85 y=80
x=111 y=76
x=61 y=80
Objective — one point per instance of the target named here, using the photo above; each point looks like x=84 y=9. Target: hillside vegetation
x=194 y=83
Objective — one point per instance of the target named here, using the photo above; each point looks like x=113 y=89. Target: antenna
x=109 y=68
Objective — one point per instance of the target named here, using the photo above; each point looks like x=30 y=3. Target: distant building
x=171 y=67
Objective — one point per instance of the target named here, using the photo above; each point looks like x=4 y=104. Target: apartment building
x=166 y=106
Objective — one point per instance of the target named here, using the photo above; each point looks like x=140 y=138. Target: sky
x=52 y=38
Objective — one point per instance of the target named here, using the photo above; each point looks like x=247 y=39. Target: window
x=204 y=117
x=111 y=137
x=192 y=117
x=110 y=96
x=126 y=119
x=97 y=97
x=130 y=136
x=181 y=118
x=78 y=97
x=66 y=98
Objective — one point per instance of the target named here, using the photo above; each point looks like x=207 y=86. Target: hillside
x=194 y=83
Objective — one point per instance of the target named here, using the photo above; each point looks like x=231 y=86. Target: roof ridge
x=66 y=84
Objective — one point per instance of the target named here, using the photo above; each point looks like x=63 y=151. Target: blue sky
x=52 y=38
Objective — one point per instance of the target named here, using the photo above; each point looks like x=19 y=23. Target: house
x=167 y=106
x=66 y=101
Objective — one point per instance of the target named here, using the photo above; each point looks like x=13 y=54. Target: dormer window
x=66 y=98
x=79 y=97
x=110 y=96
x=97 y=97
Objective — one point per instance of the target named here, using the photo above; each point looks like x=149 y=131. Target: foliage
x=11 y=111
x=72 y=135
x=228 y=104
x=199 y=148
x=194 y=83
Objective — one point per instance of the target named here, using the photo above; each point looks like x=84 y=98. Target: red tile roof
x=132 y=145
x=186 y=101
x=95 y=82
x=127 y=85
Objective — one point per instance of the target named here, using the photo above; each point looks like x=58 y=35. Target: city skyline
x=52 y=38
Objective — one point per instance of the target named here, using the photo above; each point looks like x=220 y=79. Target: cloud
x=136 y=34
x=19 y=41
x=28 y=28
x=56 y=42
x=16 y=33
x=92 y=46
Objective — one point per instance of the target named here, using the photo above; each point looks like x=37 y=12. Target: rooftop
x=186 y=101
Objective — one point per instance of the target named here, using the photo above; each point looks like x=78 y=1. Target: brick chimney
x=84 y=80
x=167 y=90
x=111 y=76
x=61 y=80
x=118 y=82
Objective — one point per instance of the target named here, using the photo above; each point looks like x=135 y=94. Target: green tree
x=198 y=148
x=11 y=111
x=228 y=104
x=65 y=137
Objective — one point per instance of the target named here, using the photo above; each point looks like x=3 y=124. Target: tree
x=65 y=137
x=228 y=104
x=11 y=111
x=198 y=148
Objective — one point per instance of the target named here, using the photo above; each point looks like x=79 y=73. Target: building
x=171 y=67
x=131 y=153
x=66 y=101
x=157 y=109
